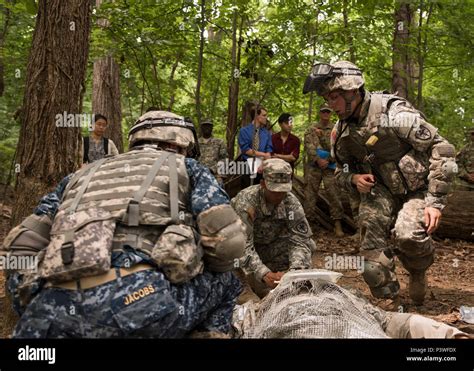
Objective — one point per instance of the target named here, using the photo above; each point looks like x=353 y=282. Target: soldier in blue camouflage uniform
x=142 y=302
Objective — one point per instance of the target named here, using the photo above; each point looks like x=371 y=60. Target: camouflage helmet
x=325 y=78
x=162 y=126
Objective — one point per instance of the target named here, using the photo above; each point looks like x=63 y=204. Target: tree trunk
x=46 y=152
x=402 y=63
x=422 y=46
x=106 y=97
x=233 y=102
x=347 y=31
x=55 y=75
x=5 y=12
x=171 y=83
x=200 y=62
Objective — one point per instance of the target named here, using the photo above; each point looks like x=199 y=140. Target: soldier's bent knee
x=380 y=277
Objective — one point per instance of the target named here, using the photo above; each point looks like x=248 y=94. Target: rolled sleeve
x=245 y=140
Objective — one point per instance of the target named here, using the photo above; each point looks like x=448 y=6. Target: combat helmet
x=163 y=126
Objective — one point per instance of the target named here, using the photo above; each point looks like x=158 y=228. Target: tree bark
x=458 y=216
x=55 y=75
x=200 y=62
x=5 y=12
x=402 y=62
x=54 y=79
x=233 y=102
x=106 y=97
x=422 y=46
x=347 y=31
x=171 y=83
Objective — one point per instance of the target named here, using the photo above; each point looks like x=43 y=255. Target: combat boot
x=417 y=286
x=338 y=229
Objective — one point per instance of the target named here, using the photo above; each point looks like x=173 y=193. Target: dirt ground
x=450 y=278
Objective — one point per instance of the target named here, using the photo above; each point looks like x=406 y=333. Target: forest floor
x=450 y=278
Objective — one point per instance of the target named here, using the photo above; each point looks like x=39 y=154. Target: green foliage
x=156 y=44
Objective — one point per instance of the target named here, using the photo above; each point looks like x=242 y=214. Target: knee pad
x=380 y=277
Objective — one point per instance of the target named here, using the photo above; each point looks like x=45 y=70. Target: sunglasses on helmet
x=321 y=73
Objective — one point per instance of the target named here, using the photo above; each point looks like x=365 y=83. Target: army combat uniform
x=316 y=137
x=278 y=237
x=465 y=161
x=144 y=208
x=212 y=150
x=385 y=138
x=412 y=165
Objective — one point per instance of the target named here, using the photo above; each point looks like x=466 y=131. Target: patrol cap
x=206 y=122
x=277 y=175
x=325 y=107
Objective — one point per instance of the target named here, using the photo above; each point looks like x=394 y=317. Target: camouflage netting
x=306 y=307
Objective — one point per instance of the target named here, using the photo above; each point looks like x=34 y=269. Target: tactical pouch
x=177 y=254
x=392 y=178
x=414 y=172
x=81 y=245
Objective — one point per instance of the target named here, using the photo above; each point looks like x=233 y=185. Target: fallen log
x=457 y=220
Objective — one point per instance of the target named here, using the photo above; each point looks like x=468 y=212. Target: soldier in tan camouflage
x=317 y=143
x=278 y=234
x=400 y=165
x=465 y=161
x=212 y=149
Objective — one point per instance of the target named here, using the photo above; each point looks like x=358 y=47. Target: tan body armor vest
x=136 y=199
x=376 y=148
x=115 y=182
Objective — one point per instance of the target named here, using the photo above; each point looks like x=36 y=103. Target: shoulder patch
x=422 y=133
x=302 y=227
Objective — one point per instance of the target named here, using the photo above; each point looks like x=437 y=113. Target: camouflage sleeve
x=205 y=191
x=461 y=162
x=302 y=245
x=311 y=143
x=222 y=151
x=344 y=166
x=424 y=137
x=49 y=204
x=250 y=261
